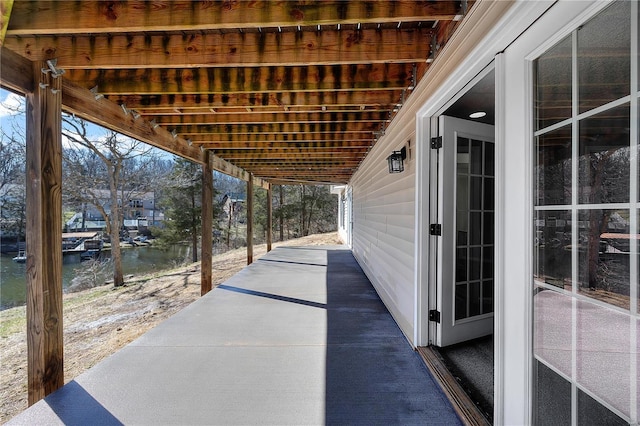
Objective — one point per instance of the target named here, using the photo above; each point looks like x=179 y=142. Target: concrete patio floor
x=298 y=337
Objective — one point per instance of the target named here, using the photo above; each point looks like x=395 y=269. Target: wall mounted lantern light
x=396 y=160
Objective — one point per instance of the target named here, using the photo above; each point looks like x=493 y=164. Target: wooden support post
x=269 y=218
x=45 y=371
x=207 y=226
x=250 y=221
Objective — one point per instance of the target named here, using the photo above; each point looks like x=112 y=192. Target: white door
x=464 y=178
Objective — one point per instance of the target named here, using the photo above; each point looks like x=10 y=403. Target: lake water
x=138 y=260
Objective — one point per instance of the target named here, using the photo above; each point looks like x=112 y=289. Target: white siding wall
x=384 y=222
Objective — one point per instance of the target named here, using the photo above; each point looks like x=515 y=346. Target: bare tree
x=12 y=169
x=12 y=185
x=114 y=163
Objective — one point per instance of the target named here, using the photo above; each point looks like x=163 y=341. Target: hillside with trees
x=108 y=180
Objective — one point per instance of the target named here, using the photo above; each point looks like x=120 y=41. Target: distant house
x=232 y=204
x=139 y=210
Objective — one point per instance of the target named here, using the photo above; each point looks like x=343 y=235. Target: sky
x=10 y=120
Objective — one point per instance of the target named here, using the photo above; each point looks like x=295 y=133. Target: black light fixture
x=396 y=160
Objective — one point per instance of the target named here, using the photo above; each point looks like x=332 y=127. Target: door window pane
x=591 y=412
x=488 y=231
x=552 y=252
x=553 y=168
x=461 y=301
x=476 y=157
x=475 y=299
x=603 y=256
x=604 y=57
x=553 y=85
x=461 y=264
x=553 y=397
x=474 y=227
x=604 y=157
x=552 y=329
x=487 y=296
x=603 y=354
x=586 y=328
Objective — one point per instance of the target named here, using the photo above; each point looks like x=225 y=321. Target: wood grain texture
x=249 y=221
x=269 y=217
x=73 y=17
x=196 y=50
x=213 y=72
x=254 y=81
x=44 y=234
x=207 y=227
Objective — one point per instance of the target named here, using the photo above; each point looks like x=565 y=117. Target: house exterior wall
x=390 y=212
x=384 y=222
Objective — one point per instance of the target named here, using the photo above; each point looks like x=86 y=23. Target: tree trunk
x=303 y=211
x=281 y=213
x=116 y=255
x=229 y=225
x=115 y=224
x=313 y=202
x=194 y=230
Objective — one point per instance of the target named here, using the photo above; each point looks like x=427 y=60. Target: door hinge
x=435 y=229
x=434 y=316
x=436 y=143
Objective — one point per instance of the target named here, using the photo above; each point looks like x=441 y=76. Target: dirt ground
x=100 y=321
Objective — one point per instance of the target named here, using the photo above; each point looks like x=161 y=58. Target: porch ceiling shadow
x=295 y=91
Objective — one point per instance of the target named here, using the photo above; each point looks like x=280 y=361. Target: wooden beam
x=321 y=176
x=268 y=146
x=83 y=103
x=5 y=14
x=245 y=80
x=230 y=169
x=207 y=227
x=170 y=121
x=287 y=165
x=74 y=17
x=245 y=110
x=269 y=218
x=290 y=128
x=282 y=138
x=43 y=236
x=301 y=153
x=201 y=50
x=161 y=104
x=16 y=73
x=249 y=221
x=305 y=181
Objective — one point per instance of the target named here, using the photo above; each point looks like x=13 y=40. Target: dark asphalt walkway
x=299 y=337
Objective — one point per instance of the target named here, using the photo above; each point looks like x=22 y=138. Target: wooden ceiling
x=290 y=91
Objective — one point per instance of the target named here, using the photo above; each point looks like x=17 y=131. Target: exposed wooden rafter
x=257 y=83
x=91 y=17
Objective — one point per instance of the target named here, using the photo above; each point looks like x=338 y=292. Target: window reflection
x=604 y=53
x=552 y=253
x=553 y=171
x=605 y=157
x=586 y=324
x=602 y=341
x=553 y=85
x=604 y=255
